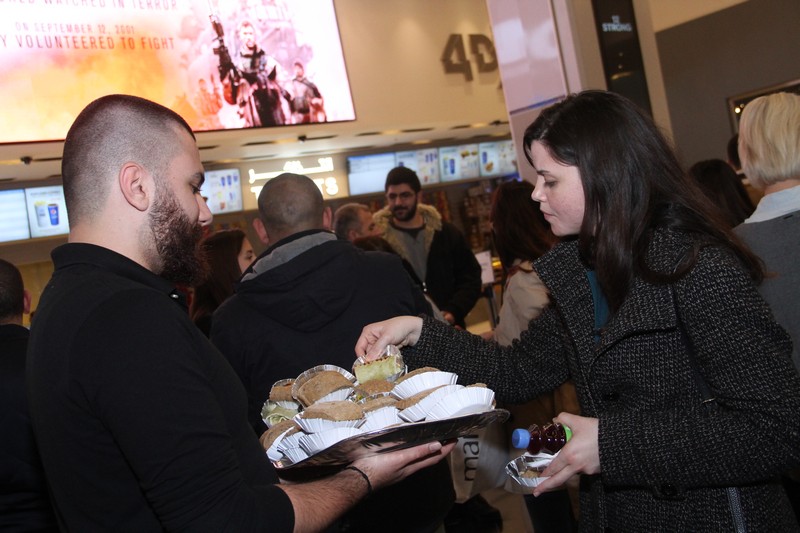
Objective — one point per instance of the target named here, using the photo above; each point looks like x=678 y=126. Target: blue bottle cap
x=520 y=439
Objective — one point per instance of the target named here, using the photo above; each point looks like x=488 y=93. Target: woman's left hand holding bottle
x=581 y=455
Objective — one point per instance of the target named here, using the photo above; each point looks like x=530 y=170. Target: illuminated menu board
x=47 y=211
x=367 y=173
x=497 y=159
x=13 y=216
x=459 y=162
x=424 y=162
x=223 y=190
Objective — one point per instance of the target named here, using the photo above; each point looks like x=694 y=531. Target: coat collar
x=647 y=308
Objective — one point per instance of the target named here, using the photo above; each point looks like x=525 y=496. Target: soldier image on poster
x=251 y=82
x=307 y=103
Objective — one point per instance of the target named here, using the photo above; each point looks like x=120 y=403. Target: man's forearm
x=318 y=504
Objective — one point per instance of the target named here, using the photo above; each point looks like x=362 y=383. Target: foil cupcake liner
x=421 y=382
x=316 y=442
x=419 y=411
x=466 y=401
x=526 y=468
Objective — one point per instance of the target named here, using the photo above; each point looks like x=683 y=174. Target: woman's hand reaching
x=400 y=331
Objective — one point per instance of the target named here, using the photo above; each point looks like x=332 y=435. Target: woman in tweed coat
x=648 y=254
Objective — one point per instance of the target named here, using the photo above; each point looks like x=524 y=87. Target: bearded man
x=436 y=249
x=141 y=423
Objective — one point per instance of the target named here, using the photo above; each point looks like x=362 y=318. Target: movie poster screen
x=219 y=64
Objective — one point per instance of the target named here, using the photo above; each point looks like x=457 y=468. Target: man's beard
x=407 y=215
x=177 y=242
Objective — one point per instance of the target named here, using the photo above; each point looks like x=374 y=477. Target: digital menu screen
x=367 y=173
x=13 y=216
x=459 y=162
x=497 y=159
x=424 y=162
x=223 y=191
x=47 y=211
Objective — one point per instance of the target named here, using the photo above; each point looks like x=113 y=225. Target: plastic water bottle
x=548 y=439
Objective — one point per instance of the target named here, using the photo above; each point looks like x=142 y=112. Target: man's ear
x=136 y=185
x=261 y=231
x=327 y=218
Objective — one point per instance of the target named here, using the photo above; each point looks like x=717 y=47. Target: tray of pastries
x=328 y=417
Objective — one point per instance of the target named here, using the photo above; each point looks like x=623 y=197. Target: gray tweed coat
x=664 y=460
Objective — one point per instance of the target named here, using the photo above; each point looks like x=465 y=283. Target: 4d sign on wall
x=481 y=50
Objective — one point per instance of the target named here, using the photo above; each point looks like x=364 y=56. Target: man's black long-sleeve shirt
x=141 y=422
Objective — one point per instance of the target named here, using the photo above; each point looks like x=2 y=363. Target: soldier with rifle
x=250 y=83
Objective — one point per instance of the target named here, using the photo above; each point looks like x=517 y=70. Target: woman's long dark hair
x=519 y=229
x=633 y=184
x=222 y=251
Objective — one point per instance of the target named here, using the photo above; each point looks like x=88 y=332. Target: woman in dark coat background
x=652 y=299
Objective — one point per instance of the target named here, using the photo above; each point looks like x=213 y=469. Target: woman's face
x=559 y=190
x=246 y=255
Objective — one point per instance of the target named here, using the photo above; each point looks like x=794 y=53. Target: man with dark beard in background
x=141 y=422
x=436 y=249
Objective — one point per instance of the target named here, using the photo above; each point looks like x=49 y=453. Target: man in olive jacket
x=436 y=249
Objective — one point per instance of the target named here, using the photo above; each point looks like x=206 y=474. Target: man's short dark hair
x=12 y=295
x=108 y=132
x=347 y=218
x=401 y=175
x=290 y=203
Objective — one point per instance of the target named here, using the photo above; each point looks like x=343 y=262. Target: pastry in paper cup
x=416 y=372
x=281 y=391
x=380 y=418
x=382 y=399
x=273 y=436
x=328 y=415
x=466 y=401
x=412 y=383
x=371 y=388
x=290 y=440
x=388 y=366
x=419 y=411
x=320 y=381
x=526 y=468
x=281 y=405
x=296 y=454
x=337 y=395
x=315 y=442
x=274 y=412
x=415 y=399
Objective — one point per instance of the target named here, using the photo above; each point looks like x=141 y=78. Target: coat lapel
x=564 y=275
x=647 y=308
